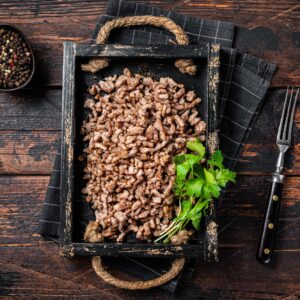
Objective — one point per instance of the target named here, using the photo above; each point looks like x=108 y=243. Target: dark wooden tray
x=155 y=61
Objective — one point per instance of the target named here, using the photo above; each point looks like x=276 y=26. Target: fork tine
x=289 y=138
x=283 y=115
x=286 y=120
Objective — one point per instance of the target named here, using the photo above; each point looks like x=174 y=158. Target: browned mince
x=135 y=126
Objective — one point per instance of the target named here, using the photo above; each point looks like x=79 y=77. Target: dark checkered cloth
x=244 y=83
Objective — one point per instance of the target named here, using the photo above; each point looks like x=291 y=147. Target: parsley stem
x=169 y=227
x=170 y=231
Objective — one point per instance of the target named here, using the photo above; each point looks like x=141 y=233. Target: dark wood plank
x=31 y=109
x=31 y=266
x=268 y=31
x=23 y=283
x=26 y=152
x=31 y=125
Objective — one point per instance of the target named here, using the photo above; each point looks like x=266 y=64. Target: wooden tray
x=155 y=61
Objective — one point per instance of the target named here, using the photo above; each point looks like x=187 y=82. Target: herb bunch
x=195 y=186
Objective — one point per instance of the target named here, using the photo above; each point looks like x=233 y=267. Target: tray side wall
x=67 y=151
x=211 y=253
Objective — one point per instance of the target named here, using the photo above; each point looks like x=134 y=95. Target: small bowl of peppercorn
x=17 y=63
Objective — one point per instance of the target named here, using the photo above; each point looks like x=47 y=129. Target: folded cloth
x=243 y=86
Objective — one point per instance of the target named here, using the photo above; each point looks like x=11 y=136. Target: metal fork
x=284 y=138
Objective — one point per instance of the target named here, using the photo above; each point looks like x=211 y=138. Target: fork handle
x=268 y=232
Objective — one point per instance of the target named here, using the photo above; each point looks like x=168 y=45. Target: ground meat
x=135 y=126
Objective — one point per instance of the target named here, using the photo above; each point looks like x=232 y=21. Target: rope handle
x=92 y=235
x=167 y=23
x=176 y=267
x=184 y=65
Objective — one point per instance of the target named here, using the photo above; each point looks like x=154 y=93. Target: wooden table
x=30 y=129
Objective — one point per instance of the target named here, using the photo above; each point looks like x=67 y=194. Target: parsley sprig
x=195 y=186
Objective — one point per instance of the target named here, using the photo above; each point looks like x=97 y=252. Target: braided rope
x=184 y=65
x=93 y=235
x=167 y=23
x=176 y=267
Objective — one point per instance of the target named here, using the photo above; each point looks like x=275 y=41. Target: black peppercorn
x=15 y=59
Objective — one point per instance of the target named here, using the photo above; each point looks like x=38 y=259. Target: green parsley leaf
x=196 y=213
x=199 y=206
x=178 y=188
x=198 y=171
x=191 y=159
x=196 y=220
x=211 y=190
x=225 y=175
x=216 y=160
x=209 y=176
x=196 y=146
x=179 y=159
x=182 y=170
x=194 y=187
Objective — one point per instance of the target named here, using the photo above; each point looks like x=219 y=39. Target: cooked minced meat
x=135 y=126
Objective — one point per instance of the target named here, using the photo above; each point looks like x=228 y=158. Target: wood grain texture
x=31 y=265
x=30 y=123
x=28 y=152
x=31 y=109
x=268 y=31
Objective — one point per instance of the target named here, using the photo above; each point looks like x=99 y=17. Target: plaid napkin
x=244 y=83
